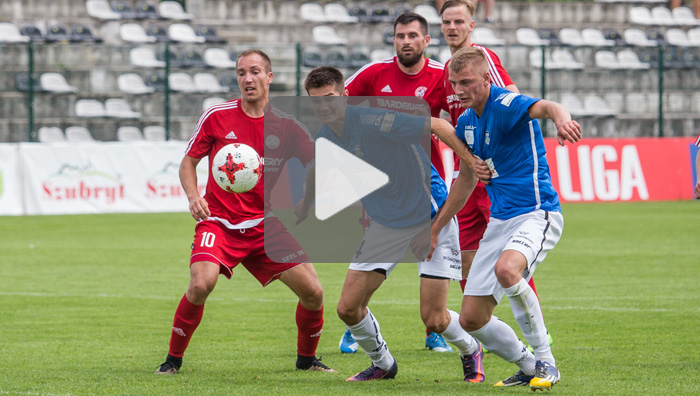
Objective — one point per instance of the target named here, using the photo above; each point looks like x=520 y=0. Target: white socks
x=528 y=314
x=367 y=335
x=499 y=338
x=455 y=335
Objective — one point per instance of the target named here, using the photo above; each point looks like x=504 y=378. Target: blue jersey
x=390 y=142
x=511 y=143
x=438 y=191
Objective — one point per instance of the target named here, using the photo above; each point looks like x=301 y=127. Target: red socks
x=309 y=327
x=187 y=318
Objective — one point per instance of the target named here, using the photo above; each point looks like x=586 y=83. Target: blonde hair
x=469 y=57
x=456 y=3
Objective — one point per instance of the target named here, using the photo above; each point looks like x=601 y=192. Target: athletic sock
x=309 y=328
x=187 y=318
x=368 y=336
x=463 y=284
x=500 y=339
x=531 y=282
x=455 y=335
x=528 y=314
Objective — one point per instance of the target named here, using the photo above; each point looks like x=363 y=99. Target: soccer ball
x=236 y=168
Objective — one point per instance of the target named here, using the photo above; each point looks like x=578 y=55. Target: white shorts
x=446 y=261
x=533 y=234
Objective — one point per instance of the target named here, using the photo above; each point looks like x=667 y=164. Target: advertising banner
x=10 y=187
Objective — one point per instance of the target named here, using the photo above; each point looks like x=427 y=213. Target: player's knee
x=507 y=274
x=470 y=323
x=313 y=298
x=436 y=323
x=199 y=291
x=348 y=314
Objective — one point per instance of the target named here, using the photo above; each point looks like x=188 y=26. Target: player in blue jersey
x=501 y=129
x=390 y=141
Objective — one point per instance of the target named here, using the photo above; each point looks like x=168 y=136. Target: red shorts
x=473 y=218
x=215 y=243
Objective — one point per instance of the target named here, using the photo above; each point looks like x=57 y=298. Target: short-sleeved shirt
x=511 y=143
x=438 y=191
x=390 y=142
x=226 y=123
x=697 y=141
x=385 y=78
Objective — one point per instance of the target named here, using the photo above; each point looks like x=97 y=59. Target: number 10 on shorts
x=207 y=239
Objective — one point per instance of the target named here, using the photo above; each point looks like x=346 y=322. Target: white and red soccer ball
x=236 y=168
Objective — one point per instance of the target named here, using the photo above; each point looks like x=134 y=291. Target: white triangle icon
x=342 y=179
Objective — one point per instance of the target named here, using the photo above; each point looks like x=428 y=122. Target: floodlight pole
x=30 y=97
x=661 y=91
x=167 y=91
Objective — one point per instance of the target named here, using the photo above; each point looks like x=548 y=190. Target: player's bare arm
x=199 y=208
x=567 y=129
x=459 y=193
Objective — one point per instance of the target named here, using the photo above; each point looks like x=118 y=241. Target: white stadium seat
x=429 y=13
x=594 y=37
x=683 y=16
x=10 y=34
x=173 y=10
x=101 y=9
x=379 y=54
x=154 y=133
x=89 y=108
x=218 y=57
x=51 y=135
x=184 y=33
x=571 y=36
x=327 y=35
x=486 y=36
x=607 y=60
x=209 y=102
x=641 y=16
x=134 y=33
x=573 y=103
x=55 y=82
x=129 y=134
x=336 y=12
x=595 y=105
x=694 y=37
x=144 y=57
x=637 y=37
x=78 y=134
x=312 y=12
x=207 y=82
x=564 y=59
x=528 y=36
x=181 y=82
x=677 y=37
x=662 y=16
x=628 y=59
x=133 y=83
x=119 y=108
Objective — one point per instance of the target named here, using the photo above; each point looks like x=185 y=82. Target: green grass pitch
x=86 y=305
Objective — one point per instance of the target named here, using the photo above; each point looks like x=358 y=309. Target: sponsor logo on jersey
x=507 y=98
x=420 y=91
x=231 y=135
x=387 y=89
x=401 y=105
x=487 y=138
x=469 y=134
x=272 y=142
x=387 y=123
x=272 y=164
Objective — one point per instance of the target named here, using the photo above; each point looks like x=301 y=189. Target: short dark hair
x=268 y=62
x=456 y=3
x=408 y=17
x=323 y=76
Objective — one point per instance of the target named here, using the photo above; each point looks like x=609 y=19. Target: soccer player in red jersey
x=457 y=24
x=408 y=73
x=230 y=227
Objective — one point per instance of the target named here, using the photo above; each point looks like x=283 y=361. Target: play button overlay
x=330 y=163
x=342 y=179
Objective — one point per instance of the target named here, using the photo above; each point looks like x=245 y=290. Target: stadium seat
x=327 y=35
x=605 y=59
x=229 y=81
x=22 y=83
x=83 y=34
x=181 y=82
x=154 y=133
x=550 y=35
x=388 y=35
x=184 y=33
x=595 y=38
x=132 y=83
x=444 y=55
x=10 y=34
x=173 y=10
x=597 y=106
x=683 y=16
x=144 y=57
x=571 y=36
x=207 y=82
x=694 y=37
x=573 y=103
x=400 y=8
x=312 y=57
x=100 y=9
x=209 y=102
x=637 y=37
x=120 y=108
x=57 y=33
x=336 y=58
x=672 y=59
x=89 y=108
x=429 y=13
x=358 y=57
x=156 y=81
x=628 y=59
x=173 y=57
x=192 y=57
x=662 y=16
x=56 y=83
x=51 y=135
x=379 y=13
x=636 y=103
x=380 y=54
x=209 y=34
x=564 y=59
x=336 y=12
x=312 y=12
x=650 y=56
x=614 y=35
x=218 y=57
x=359 y=11
x=529 y=37
x=691 y=58
x=78 y=134
x=486 y=36
x=677 y=37
x=656 y=35
x=32 y=32
x=129 y=134
x=160 y=34
x=123 y=8
x=134 y=33
x=641 y=16
x=146 y=10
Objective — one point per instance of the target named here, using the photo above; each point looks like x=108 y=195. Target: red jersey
x=385 y=78
x=697 y=141
x=227 y=123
